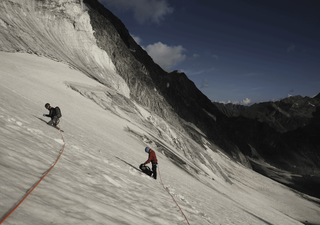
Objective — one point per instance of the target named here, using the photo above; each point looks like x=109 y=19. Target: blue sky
x=240 y=51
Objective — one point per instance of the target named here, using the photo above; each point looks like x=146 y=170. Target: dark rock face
x=285 y=133
x=134 y=65
x=303 y=143
x=285 y=115
x=296 y=151
x=230 y=110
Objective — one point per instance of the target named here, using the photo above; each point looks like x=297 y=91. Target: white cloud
x=137 y=39
x=196 y=56
x=164 y=55
x=143 y=10
x=246 y=101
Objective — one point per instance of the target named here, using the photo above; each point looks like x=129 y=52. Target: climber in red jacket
x=153 y=159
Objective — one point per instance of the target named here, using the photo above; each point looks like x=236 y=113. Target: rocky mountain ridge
x=282 y=133
x=285 y=115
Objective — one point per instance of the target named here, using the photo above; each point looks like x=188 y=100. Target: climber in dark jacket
x=53 y=115
x=153 y=159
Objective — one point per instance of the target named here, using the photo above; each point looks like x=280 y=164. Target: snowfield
x=97 y=180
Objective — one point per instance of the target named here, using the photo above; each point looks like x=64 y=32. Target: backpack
x=145 y=169
x=58 y=112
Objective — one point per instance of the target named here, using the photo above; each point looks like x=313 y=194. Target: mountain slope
x=59 y=30
x=128 y=102
x=96 y=180
x=95 y=42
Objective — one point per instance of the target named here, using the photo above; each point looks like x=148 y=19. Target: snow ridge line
x=171 y=197
x=13 y=209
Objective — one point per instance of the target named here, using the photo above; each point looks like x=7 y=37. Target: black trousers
x=154 y=170
x=54 y=121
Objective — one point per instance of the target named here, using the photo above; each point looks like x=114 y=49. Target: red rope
x=172 y=197
x=12 y=210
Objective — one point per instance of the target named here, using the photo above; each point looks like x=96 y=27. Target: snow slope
x=96 y=180
x=60 y=30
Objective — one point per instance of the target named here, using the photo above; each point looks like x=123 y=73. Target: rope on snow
x=173 y=198
x=13 y=209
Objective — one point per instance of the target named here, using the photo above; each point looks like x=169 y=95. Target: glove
x=44 y=114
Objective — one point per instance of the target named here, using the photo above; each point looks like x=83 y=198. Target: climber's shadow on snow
x=143 y=169
x=45 y=121
x=259 y=218
x=129 y=164
x=40 y=119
